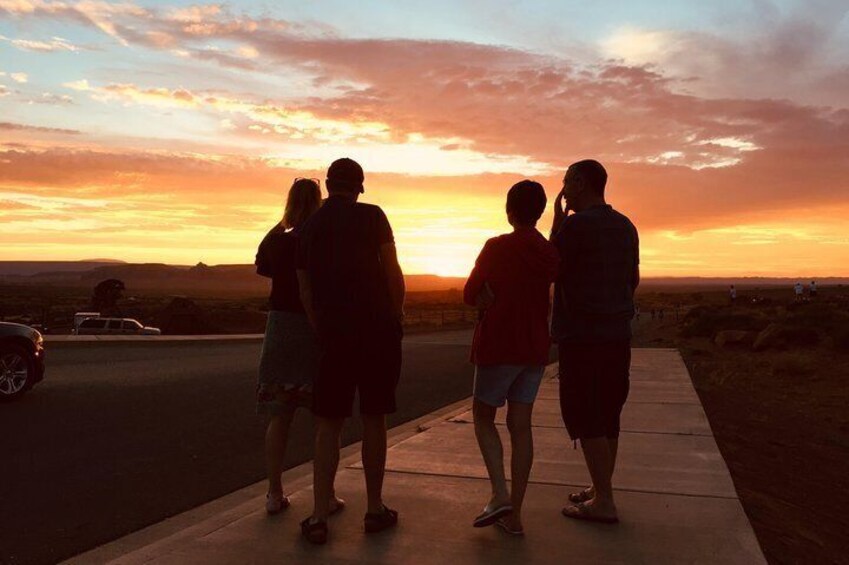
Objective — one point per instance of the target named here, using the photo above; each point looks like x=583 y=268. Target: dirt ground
x=781 y=419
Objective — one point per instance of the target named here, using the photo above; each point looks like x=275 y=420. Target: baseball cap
x=346 y=171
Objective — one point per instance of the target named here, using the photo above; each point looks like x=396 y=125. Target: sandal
x=490 y=515
x=378 y=521
x=582 y=496
x=336 y=506
x=502 y=523
x=275 y=503
x=581 y=511
x=314 y=532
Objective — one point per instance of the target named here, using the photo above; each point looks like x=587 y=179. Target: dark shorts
x=367 y=362
x=594 y=384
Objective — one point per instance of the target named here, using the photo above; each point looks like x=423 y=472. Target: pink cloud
x=9 y=126
x=678 y=155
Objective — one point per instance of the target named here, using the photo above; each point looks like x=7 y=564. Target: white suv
x=114 y=326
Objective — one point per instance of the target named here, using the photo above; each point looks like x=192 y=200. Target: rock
x=771 y=337
x=183 y=317
x=735 y=338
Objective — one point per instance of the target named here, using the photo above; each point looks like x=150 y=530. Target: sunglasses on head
x=316 y=181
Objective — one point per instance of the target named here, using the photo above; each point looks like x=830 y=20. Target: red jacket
x=519 y=268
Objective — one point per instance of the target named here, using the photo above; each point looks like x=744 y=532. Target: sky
x=170 y=132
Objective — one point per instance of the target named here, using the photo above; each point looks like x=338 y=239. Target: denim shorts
x=495 y=384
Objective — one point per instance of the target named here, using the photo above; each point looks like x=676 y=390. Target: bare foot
x=600 y=507
x=582 y=496
x=592 y=511
x=336 y=504
x=513 y=523
x=496 y=502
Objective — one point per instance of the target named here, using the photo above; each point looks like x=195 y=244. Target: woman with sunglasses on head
x=289 y=352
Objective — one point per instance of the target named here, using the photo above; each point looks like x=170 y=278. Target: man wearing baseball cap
x=353 y=290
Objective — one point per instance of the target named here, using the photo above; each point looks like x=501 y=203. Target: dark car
x=21 y=359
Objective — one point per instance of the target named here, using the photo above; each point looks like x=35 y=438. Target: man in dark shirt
x=591 y=321
x=352 y=289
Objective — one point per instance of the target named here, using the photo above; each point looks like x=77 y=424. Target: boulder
x=184 y=317
x=735 y=338
x=772 y=337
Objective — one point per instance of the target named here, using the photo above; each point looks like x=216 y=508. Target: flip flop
x=314 y=532
x=580 y=512
x=489 y=516
x=378 y=521
x=274 y=505
x=582 y=496
x=502 y=523
x=339 y=507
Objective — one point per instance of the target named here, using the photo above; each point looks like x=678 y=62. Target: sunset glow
x=169 y=132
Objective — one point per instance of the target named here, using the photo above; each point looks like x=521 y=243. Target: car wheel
x=16 y=371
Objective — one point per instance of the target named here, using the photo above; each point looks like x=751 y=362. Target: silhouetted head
x=584 y=184
x=303 y=201
x=345 y=176
x=525 y=203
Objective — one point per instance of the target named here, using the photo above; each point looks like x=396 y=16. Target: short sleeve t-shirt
x=594 y=291
x=275 y=259
x=339 y=248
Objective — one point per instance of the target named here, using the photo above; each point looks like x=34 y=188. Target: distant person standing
x=799 y=290
x=289 y=359
x=637 y=312
x=812 y=290
x=732 y=294
x=510 y=285
x=593 y=306
x=352 y=289
x=653 y=313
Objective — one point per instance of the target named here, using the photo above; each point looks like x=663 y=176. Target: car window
x=132 y=325
x=114 y=324
x=93 y=323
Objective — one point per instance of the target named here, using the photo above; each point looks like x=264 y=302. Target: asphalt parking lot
x=121 y=436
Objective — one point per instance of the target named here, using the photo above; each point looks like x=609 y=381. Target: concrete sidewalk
x=676 y=499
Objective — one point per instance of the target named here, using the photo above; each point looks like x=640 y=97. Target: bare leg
x=597 y=454
x=522 y=441
x=325 y=463
x=374 y=459
x=614 y=448
x=493 y=453
x=276 y=438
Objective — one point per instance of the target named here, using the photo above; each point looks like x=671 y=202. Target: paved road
x=122 y=436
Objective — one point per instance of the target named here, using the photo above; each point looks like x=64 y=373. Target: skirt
x=288 y=364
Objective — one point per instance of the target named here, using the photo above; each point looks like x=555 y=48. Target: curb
x=56 y=342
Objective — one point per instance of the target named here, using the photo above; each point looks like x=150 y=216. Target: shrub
x=792 y=364
x=706 y=321
x=840 y=335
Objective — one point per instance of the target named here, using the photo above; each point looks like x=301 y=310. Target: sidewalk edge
x=295 y=478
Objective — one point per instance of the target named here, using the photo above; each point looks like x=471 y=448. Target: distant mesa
x=102 y=261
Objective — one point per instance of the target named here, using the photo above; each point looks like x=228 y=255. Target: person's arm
x=391 y=268
x=477 y=291
x=305 y=292
x=262 y=261
x=561 y=210
x=563 y=242
x=636 y=274
x=304 y=282
x=394 y=278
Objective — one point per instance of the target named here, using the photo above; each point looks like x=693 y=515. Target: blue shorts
x=495 y=384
